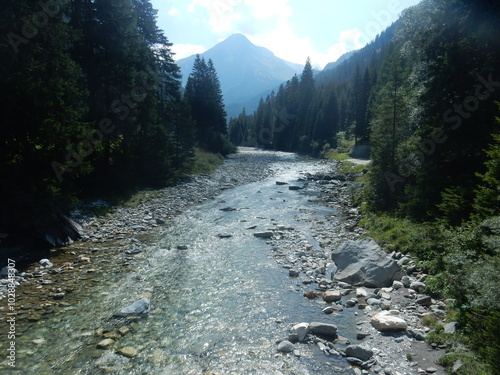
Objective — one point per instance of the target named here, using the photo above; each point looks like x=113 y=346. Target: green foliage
x=206 y=162
x=204 y=95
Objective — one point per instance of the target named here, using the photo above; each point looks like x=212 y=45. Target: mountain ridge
x=245 y=70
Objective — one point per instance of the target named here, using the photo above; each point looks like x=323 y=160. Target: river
x=217 y=307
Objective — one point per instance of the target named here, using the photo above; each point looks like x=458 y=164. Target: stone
x=293 y=273
x=332 y=296
x=358 y=351
x=133 y=251
x=323 y=329
x=351 y=303
x=267 y=234
x=311 y=294
x=141 y=306
x=361 y=292
x=418 y=286
x=45 y=263
x=424 y=301
x=397 y=284
x=431 y=370
x=123 y=330
x=405 y=280
x=182 y=247
x=105 y=344
x=403 y=261
x=285 y=347
x=293 y=187
x=354 y=361
x=373 y=301
x=127 y=351
x=388 y=321
x=451 y=327
x=457 y=366
x=59 y=295
x=281 y=183
x=301 y=329
x=364 y=263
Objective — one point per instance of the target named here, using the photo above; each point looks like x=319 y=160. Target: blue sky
x=292 y=29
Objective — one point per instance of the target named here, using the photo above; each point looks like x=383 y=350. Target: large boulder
x=323 y=329
x=387 y=321
x=364 y=263
x=359 y=352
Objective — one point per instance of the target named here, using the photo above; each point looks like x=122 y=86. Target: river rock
x=45 y=263
x=388 y=321
x=324 y=329
x=293 y=273
x=141 y=306
x=285 y=347
x=301 y=329
x=127 y=351
x=267 y=234
x=424 y=301
x=364 y=263
x=105 y=344
x=358 y=351
x=417 y=285
x=332 y=296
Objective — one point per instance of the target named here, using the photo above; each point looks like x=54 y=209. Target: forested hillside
x=425 y=94
x=92 y=105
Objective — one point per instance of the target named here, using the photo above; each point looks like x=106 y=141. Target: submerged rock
x=142 y=306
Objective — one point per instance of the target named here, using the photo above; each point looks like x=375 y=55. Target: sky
x=292 y=29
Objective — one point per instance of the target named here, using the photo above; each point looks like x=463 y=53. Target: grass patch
x=206 y=162
x=335 y=155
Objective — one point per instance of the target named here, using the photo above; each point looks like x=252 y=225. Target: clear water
x=218 y=307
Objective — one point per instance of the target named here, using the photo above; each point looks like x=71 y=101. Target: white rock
x=388 y=321
x=301 y=329
x=361 y=292
x=397 y=284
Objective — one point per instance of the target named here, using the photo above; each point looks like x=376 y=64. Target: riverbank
x=391 y=352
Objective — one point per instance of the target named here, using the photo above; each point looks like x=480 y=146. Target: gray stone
x=373 y=301
x=332 y=296
x=431 y=370
x=133 y=251
x=324 y=329
x=424 y=301
x=403 y=261
x=354 y=361
x=418 y=286
x=405 y=280
x=45 y=263
x=364 y=263
x=293 y=273
x=358 y=351
x=285 y=347
x=141 y=306
x=457 y=366
x=451 y=327
x=59 y=295
x=301 y=329
x=388 y=321
x=182 y=247
x=267 y=234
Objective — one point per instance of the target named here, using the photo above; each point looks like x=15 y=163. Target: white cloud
x=174 y=12
x=349 y=40
x=185 y=50
x=267 y=23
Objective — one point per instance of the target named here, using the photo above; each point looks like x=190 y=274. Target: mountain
x=340 y=60
x=245 y=71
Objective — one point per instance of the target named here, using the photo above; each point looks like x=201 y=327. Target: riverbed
x=219 y=299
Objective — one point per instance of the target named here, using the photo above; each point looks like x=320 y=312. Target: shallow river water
x=218 y=307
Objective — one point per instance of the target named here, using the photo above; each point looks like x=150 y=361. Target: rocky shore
x=390 y=305
x=348 y=275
